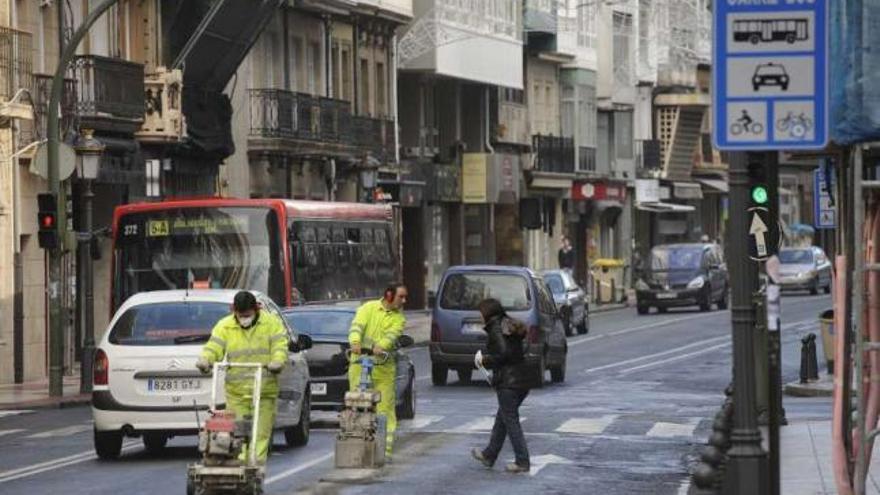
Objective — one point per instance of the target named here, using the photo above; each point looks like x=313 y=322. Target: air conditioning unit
x=163 y=102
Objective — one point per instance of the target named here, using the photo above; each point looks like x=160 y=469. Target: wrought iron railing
x=109 y=87
x=555 y=154
x=35 y=130
x=278 y=113
x=15 y=62
x=374 y=135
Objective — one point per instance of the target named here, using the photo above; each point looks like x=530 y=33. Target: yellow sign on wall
x=474 y=186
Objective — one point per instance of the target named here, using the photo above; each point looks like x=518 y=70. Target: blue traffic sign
x=825 y=210
x=770 y=74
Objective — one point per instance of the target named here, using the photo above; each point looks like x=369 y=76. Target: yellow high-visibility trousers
x=242 y=405
x=384 y=381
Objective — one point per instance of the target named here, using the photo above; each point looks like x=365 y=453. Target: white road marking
x=4 y=414
x=670 y=430
x=636 y=329
x=10 y=432
x=301 y=467
x=685 y=486
x=651 y=356
x=481 y=424
x=420 y=422
x=88 y=455
x=62 y=432
x=587 y=426
x=675 y=358
x=540 y=462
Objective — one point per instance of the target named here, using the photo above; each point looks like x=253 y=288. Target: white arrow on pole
x=758 y=229
x=540 y=462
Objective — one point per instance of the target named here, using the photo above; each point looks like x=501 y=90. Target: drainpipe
x=489 y=147
x=394 y=105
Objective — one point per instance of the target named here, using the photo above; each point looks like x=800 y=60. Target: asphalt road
x=635 y=408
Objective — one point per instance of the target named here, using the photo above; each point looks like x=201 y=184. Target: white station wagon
x=145 y=380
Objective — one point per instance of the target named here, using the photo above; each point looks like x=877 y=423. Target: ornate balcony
x=555 y=154
x=110 y=93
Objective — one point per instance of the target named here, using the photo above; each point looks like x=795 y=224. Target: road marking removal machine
x=222 y=439
x=360 y=442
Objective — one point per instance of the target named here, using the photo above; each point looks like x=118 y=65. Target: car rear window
x=796 y=256
x=464 y=291
x=555 y=284
x=676 y=258
x=172 y=323
x=320 y=323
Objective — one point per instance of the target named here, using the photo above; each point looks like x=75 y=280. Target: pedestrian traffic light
x=47 y=218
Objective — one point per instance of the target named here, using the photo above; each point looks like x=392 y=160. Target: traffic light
x=759 y=190
x=47 y=219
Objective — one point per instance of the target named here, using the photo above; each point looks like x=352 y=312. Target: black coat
x=566 y=258
x=505 y=353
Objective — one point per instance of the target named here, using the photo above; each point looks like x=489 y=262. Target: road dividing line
x=10 y=432
x=587 y=426
x=638 y=328
x=62 y=432
x=420 y=422
x=88 y=455
x=671 y=430
x=675 y=358
x=301 y=467
x=659 y=354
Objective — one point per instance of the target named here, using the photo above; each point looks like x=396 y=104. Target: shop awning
x=660 y=207
x=687 y=190
x=716 y=185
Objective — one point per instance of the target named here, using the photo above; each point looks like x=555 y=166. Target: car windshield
x=555 y=284
x=320 y=323
x=170 y=323
x=796 y=256
x=464 y=291
x=676 y=258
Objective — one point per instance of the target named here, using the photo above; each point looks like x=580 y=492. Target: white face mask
x=246 y=322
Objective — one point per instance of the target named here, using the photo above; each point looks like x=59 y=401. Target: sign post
x=825 y=210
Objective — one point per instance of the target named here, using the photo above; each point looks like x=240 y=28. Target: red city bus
x=293 y=251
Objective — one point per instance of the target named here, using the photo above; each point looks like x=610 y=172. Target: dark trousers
x=507 y=424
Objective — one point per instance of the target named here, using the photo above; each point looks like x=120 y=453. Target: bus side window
x=323 y=235
x=338 y=235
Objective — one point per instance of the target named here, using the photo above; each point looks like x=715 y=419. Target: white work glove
x=275 y=367
x=478 y=359
x=203 y=365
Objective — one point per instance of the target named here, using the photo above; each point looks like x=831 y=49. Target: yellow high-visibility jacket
x=264 y=343
x=373 y=324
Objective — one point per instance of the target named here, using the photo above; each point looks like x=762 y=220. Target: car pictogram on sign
x=770 y=74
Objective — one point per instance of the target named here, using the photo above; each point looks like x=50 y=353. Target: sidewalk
x=35 y=395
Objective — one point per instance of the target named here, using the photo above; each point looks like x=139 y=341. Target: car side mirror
x=302 y=343
x=405 y=341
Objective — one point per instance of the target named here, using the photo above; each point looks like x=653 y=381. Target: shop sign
x=647 y=191
x=473 y=178
x=598 y=191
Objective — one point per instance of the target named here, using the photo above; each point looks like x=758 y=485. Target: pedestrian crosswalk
x=4 y=414
x=46 y=434
x=617 y=425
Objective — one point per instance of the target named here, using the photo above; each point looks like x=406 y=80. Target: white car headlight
x=641 y=285
x=697 y=283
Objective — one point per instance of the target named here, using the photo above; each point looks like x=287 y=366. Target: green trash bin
x=608 y=283
x=826 y=324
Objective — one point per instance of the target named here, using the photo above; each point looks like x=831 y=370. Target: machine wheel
x=155 y=442
x=642 y=310
x=464 y=375
x=108 y=444
x=298 y=436
x=439 y=374
x=584 y=327
x=407 y=409
x=557 y=374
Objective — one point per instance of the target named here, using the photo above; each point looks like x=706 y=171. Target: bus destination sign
x=770 y=74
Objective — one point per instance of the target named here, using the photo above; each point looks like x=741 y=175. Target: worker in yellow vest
x=249 y=335
x=377 y=325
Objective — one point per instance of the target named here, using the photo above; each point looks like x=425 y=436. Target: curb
x=814 y=389
x=607 y=307
x=50 y=403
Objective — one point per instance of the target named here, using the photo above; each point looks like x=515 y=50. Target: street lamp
x=88 y=161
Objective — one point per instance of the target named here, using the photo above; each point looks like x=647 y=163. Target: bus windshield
x=199 y=247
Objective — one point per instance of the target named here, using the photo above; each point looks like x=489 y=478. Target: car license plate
x=472 y=329
x=667 y=295
x=162 y=385
x=319 y=389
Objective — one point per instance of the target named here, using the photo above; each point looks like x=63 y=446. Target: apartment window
x=603 y=132
x=364 y=79
x=587 y=115
x=622 y=48
x=567 y=111
x=297 y=56
x=586 y=32
x=314 y=67
x=510 y=95
x=337 y=71
x=346 y=71
x=381 y=90
x=646 y=54
x=623 y=135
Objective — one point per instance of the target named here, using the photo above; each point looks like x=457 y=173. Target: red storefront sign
x=598 y=190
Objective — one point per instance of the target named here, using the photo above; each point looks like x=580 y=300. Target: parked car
x=328 y=326
x=570 y=299
x=683 y=275
x=457 y=329
x=804 y=269
x=145 y=379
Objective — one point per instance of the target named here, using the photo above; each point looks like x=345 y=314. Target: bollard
x=804 y=373
x=813 y=360
x=712 y=456
x=704 y=475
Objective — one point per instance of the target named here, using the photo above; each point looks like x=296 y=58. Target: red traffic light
x=47 y=221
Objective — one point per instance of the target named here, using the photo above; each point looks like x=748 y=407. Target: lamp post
x=88 y=160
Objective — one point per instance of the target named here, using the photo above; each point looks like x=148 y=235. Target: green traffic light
x=759 y=195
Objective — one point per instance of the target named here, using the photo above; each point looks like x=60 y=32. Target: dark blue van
x=457 y=331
